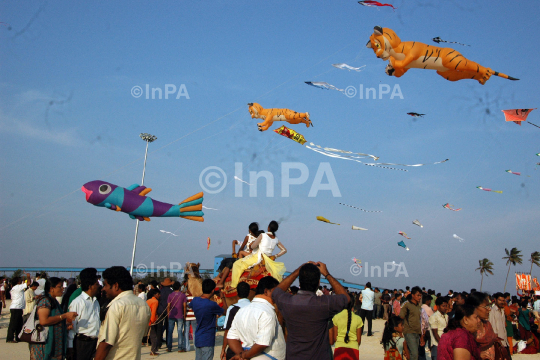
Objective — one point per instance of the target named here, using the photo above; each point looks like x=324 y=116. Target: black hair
x=176 y=285
x=88 y=278
x=266 y=283
x=294 y=290
x=118 y=275
x=154 y=283
x=242 y=289
x=141 y=287
x=473 y=290
x=49 y=284
x=65 y=299
x=152 y=293
x=426 y=298
x=208 y=286
x=523 y=303
x=15 y=280
x=34 y=283
x=498 y=295
x=476 y=299
x=273 y=227
x=441 y=300
x=460 y=311
x=506 y=294
x=389 y=330
x=407 y=287
x=415 y=290
x=254 y=228
x=349 y=316
x=368 y=284
x=309 y=277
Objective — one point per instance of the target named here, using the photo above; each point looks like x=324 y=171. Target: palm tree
x=486 y=267
x=512 y=258
x=535 y=260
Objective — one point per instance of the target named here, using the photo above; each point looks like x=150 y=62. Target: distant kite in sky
x=208 y=244
x=348 y=67
x=511 y=172
x=486 y=189
x=320 y=218
x=357 y=208
x=357 y=228
x=402 y=244
x=134 y=202
x=517 y=115
x=207 y=208
x=413 y=114
x=449 y=207
x=439 y=40
x=323 y=85
x=372 y=3
x=460 y=239
x=357 y=261
x=416 y=222
x=404 y=235
x=237 y=178
x=538 y=154
x=168 y=232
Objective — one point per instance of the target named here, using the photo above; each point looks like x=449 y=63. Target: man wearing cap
x=166 y=290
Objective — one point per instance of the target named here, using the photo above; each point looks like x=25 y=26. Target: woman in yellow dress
x=262 y=249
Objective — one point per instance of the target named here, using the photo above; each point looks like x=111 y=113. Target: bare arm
x=255 y=244
x=405 y=351
x=333 y=335
x=46 y=320
x=282 y=248
x=359 y=335
x=436 y=334
x=243 y=244
x=286 y=283
x=102 y=350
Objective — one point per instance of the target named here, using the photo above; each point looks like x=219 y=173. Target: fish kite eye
x=104 y=189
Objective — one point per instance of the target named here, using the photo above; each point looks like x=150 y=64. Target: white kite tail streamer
x=353 y=157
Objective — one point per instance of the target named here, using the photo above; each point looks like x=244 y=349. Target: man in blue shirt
x=205 y=313
x=368 y=296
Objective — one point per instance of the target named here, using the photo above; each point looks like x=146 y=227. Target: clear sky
x=68 y=116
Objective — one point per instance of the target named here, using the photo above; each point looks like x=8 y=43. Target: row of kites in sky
x=385 y=43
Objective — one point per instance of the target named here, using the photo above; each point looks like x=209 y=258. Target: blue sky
x=67 y=117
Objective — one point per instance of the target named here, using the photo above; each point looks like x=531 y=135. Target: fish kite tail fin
x=504 y=76
x=191 y=208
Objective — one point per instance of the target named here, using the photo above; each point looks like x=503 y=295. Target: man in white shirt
x=438 y=322
x=255 y=331
x=126 y=321
x=242 y=289
x=368 y=297
x=82 y=338
x=319 y=291
x=16 y=309
x=41 y=280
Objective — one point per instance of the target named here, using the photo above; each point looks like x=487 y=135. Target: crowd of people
x=114 y=317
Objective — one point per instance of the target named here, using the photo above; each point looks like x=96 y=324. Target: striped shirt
x=190 y=314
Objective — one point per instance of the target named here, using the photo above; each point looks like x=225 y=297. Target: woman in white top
x=262 y=249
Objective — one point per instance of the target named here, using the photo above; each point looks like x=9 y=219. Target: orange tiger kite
x=271 y=115
x=403 y=56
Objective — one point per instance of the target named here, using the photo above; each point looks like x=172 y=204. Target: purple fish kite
x=134 y=202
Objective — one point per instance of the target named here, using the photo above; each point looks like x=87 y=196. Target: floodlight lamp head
x=148 y=137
